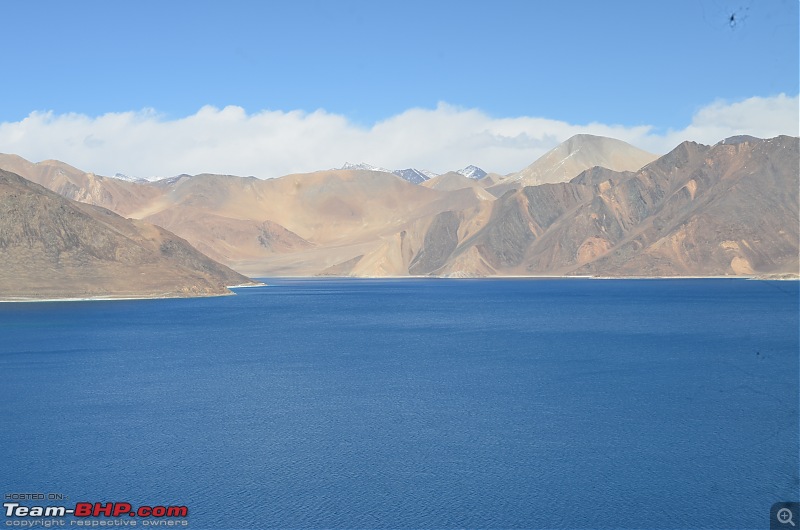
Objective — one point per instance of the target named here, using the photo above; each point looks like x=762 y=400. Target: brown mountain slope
x=568 y=159
x=455 y=181
x=697 y=211
x=597 y=175
x=294 y=225
x=423 y=247
x=343 y=206
x=227 y=239
x=117 y=195
x=727 y=209
x=297 y=224
x=51 y=247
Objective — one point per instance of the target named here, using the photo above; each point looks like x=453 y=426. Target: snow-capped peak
x=364 y=167
x=472 y=172
x=414 y=176
x=121 y=176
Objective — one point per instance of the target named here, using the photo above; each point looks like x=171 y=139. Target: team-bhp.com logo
x=95 y=514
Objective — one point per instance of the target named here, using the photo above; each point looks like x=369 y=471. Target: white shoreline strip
x=24 y=299
x=245 y=286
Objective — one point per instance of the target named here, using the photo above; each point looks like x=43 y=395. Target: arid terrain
x=591 y=206
x=53 y=247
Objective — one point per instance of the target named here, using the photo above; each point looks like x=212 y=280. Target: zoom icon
x=783 y=515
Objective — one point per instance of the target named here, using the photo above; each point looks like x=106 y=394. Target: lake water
x=414 y=403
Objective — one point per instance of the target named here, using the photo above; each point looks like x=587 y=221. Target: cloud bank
x=274 y=143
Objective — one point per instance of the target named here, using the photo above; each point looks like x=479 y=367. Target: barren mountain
x=52 y=247
x=568 y=159
x=412 y=175
x=117 y=195
x=598 y=175
x=721 y=210
x=422 y=247
x=728 y=209
x=297 y=224
x=456 y=181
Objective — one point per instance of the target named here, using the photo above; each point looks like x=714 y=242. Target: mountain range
x=697 y=211
x=414 y=176
x=53 y=247
x=591 y=206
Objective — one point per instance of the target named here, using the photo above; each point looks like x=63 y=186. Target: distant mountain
x=453 y=181
x=730 y=209
x=120 y=196
x=472 y=172
x=294 y=225
x=171 y=181
x=734 y=140
x=597 y=175
x=413 y=176
x=417 y=176
x=120 y=176
x=565 y=161
x=364 y=167
x=53 y=247
x=723 y=210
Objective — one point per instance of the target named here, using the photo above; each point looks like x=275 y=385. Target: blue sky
x=635 y=63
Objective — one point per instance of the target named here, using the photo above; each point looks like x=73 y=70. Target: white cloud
x=274 y=143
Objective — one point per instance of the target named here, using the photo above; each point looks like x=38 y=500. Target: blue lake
x=414 y=403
